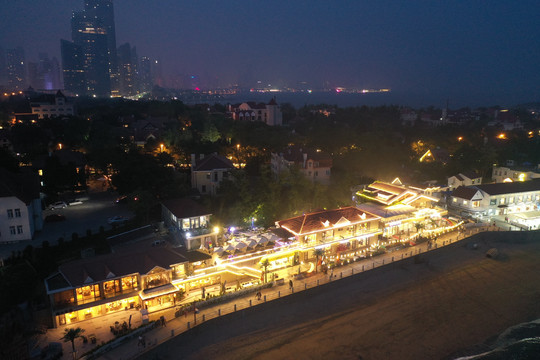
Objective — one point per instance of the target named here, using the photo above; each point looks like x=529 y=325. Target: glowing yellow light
x=460 y=138
x=522 y=177
x=501 y=136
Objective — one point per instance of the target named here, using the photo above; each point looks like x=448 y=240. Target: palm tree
x=419 y=226
x=71 y=334
x=319 y=253
x=264 y=264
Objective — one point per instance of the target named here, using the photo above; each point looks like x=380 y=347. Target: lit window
x=465 y=202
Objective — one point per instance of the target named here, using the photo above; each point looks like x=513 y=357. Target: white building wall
x=15 y=223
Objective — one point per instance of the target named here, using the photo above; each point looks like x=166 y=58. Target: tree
x=70 y=334
x=319 y=253
x=264 y=264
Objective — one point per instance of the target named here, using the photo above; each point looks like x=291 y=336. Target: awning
x=158 y=291
x=502 y=206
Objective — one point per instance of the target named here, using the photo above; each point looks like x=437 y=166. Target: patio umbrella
x=229 y=248
x=263 y=240
x=241 y=246
x=251 y=243
x=218 y=249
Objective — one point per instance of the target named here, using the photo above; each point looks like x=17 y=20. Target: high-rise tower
x=16 y=68
x=101 y=14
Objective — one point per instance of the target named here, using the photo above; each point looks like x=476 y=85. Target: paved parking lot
x=94 y=211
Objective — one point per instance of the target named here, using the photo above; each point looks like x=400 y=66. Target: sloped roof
x=24 y=186
x=319 y=221
x=185 y=208
x=87 y=271
x=296 y=153
x=213 y=162
x=511 y=187
x=465 y=192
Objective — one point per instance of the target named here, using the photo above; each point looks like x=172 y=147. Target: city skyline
x=466 y=52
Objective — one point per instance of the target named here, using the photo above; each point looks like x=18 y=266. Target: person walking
x=290 y=285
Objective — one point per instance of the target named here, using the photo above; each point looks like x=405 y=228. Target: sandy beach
x=441 y=305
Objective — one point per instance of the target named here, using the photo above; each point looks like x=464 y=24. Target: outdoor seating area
x=245 y=242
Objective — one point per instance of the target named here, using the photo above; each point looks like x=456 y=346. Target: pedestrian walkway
x=130 y=349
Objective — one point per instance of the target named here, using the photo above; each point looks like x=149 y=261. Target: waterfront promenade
x=130 y=348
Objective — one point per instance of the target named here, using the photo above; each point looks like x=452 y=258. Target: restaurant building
x=341 y=233
x=402 y=209
x=98 y=286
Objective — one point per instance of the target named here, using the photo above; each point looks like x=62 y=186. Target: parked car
x=75 y=202
x=58 y=205
x=54 y=218
x=122 y=200
x=117 y=220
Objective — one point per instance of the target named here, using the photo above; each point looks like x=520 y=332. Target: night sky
x=472 y=52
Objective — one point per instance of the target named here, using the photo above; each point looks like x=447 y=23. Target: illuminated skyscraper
x=127 y=66
x=145 y=75
x=93 y=32
x=101 y=14
x=16 y=69
x=73 y=68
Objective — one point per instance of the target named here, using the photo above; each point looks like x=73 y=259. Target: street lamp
x=161 y=146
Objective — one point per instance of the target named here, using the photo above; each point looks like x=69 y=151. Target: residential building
x=269 y=113
x=341 y=233
x=48 y=105
x=464 y=179
x=484 y=201
x=315 y=165
x=207 y=172
x=20 y=206
x=189 y=223
x=511 y=174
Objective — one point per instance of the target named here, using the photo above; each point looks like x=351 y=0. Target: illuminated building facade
x=189 y=222
x=509 y=174
x=402 y=209
x=483 y=201
x=341 y=233
x=89 y=288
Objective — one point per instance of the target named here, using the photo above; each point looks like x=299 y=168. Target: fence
x=188 y=320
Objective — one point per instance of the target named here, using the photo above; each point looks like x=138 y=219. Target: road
x=91 y=214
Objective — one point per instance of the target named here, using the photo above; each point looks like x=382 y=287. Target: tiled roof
x=296 y=154
x=87 y=271
x=511 y=187
x=319 y=221
x=185 y=208
x=213 y=162
x=465 y=192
